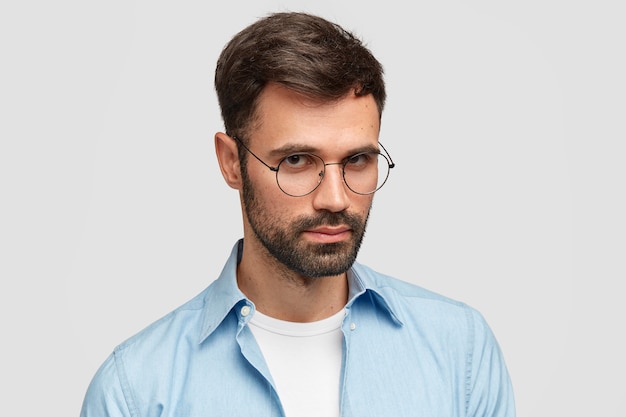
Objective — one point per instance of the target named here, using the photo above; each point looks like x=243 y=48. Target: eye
x=361 y=160
x=298 y=161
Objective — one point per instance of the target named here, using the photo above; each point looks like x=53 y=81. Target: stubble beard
x=285 y=244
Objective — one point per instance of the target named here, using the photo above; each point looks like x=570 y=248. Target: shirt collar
x=224 y=294
x=363 y=280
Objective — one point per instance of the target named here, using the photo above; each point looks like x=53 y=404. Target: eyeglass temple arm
x=392 y=164
x=275 y=169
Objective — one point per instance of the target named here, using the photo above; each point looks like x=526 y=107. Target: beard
x=284 y=242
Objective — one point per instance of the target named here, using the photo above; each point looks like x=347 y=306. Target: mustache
x=328 y=218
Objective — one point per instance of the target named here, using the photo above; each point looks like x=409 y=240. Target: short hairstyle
x=299 y=51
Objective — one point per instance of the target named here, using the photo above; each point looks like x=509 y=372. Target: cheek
x=269 y=195
x=269 y=200
x=260 y=182
x=362 y=204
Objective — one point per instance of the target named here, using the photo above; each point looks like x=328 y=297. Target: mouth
x=328 y=234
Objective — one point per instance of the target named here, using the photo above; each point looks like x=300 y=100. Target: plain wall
x=506 y=122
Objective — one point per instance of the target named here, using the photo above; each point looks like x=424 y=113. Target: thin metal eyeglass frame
x=343 y=163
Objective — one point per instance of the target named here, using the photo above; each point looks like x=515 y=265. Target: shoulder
x=185 y=321
x=444 y=333
x=105 y=396
x=139 y=359
x=413 y=304
x=400 y=289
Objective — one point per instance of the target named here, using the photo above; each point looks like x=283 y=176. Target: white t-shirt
x=305 y=362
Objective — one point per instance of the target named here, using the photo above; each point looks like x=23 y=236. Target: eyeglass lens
x=300 y=174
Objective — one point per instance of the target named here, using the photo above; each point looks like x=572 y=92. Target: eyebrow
x=291 y=148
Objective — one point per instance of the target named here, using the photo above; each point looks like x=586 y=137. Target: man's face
x=318 y=234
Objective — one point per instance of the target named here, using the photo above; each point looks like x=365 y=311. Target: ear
x=228 y=158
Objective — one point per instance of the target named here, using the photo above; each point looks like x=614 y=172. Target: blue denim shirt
x=406 y=352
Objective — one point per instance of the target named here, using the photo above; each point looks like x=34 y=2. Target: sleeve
x=105 y=396
x=489 y=391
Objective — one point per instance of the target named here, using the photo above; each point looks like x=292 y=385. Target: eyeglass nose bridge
x=322 y=173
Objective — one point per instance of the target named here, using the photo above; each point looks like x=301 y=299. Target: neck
x=281 y=293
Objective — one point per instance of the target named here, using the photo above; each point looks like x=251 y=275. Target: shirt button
x=352 y=326
x=245 y=310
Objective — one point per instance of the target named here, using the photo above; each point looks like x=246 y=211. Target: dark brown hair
x=302 y=52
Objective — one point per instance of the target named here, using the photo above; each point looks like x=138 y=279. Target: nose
x=332 y=194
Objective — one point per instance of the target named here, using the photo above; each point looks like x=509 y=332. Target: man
x=293 y=326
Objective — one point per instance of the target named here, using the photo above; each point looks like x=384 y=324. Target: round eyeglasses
x=300 y=174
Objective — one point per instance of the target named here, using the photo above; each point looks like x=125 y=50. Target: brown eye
x=297 y=161
x=361 y=160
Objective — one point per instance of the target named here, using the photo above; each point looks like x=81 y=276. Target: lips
x=328 y=234
x=329 y=230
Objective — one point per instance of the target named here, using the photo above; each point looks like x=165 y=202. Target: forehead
x=285 y=118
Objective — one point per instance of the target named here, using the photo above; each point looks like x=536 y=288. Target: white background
x=505 y=119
